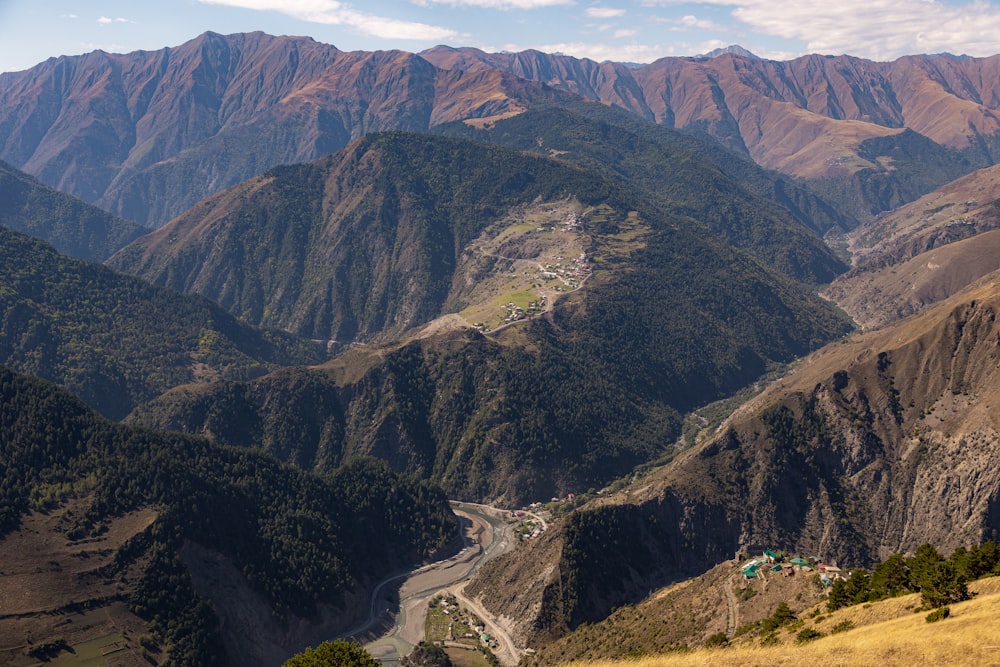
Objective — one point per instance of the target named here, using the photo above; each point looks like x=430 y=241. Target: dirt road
x=506 y=652
x=731 y=617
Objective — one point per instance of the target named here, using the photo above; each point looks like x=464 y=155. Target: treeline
x=114 y=340
x=300 y=539
x=939 y=580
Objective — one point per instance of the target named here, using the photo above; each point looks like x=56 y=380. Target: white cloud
x=603 y=12
x=104 y=20
x=876 y=29
x=691 y=21
x=69 y=16
x=332 y=12
x=625 y=32
x=496 y=4
x=882 y=29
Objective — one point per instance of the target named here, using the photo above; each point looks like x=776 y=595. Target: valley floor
x=486 y=536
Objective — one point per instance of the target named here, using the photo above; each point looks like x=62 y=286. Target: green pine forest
x=300 y=539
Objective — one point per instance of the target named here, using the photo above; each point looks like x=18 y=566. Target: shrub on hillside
x=843 y=626
x=338 y=652
x=807 y=635
x=938 y=614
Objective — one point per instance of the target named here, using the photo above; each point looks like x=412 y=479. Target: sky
x=639 y=31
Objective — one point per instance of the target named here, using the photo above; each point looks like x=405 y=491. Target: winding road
x=486 y=536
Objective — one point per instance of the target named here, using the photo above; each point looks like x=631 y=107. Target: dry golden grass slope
x=885 y=633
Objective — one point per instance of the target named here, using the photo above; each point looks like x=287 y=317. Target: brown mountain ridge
x=806 y=117
x=146 y=135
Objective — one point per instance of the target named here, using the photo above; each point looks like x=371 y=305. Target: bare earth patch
x=52 y=588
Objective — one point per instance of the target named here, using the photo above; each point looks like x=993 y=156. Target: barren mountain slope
x=806 y=117
x=922 y=252
x=880 y=296
x=959 y=209
x=145 y=135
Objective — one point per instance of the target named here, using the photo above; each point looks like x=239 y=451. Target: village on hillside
x=775 y=564
x=536 y=257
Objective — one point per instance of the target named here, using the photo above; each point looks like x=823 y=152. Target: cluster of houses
x=528 y=527
x=514 y=312
x=469 y=626
x=571 y=222
x=774 y=564
x=571 y=273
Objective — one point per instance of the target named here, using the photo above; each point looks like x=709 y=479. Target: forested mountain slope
x=115 y=340
x=303 y=548
x=629 y=314
x=381 y=237
x=871 y=446
x=74 y=228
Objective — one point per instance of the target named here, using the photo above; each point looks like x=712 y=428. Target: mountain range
x=148 y=134
x=753 y=302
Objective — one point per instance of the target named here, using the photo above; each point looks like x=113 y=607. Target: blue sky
x=624 y=30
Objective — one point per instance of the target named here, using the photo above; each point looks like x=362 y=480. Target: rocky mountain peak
x=732 y=49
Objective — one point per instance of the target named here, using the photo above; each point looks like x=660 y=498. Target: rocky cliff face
x=873 y=446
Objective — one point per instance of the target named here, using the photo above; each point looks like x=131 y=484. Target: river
x=399 y=604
